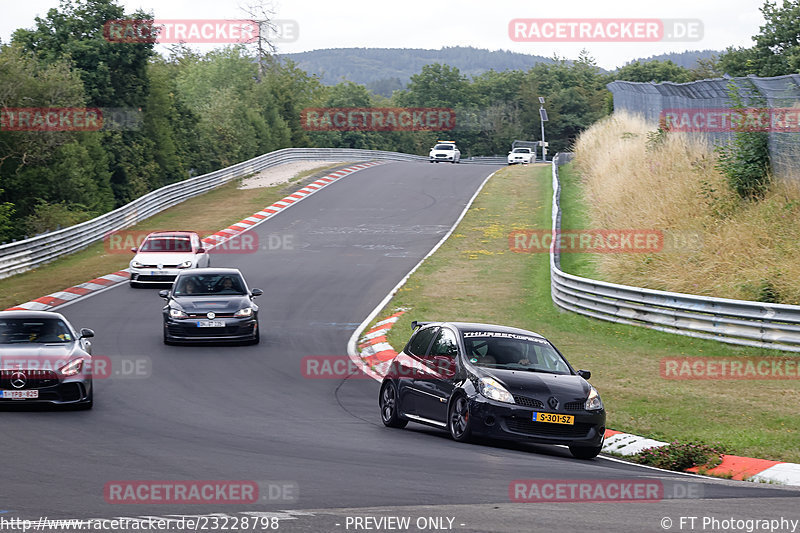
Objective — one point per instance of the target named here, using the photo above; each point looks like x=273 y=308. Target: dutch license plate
x=554 y=418
x=210 y=324
x=20 y=394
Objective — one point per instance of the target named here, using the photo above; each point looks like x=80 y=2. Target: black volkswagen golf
x=492 y=381
x=210 y=305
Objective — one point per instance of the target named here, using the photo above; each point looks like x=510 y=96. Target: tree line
x=198 y=112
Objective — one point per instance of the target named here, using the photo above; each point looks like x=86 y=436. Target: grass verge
x=475 y=277
x=210 y=212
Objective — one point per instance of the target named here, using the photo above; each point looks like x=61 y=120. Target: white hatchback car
x=520 y=155
x=163 y=254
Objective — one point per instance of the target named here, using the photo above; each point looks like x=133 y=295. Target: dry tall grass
x=716 y=244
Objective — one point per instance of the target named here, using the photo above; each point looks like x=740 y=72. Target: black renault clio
x=210 y=305
x=492 y=381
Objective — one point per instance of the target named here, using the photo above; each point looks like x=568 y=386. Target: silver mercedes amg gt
x=44 y=360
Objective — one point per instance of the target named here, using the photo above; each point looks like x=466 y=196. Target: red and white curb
x=62 y=297
x=376 y=355
x=67 y=295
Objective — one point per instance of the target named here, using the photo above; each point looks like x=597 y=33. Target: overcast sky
x=434 y=24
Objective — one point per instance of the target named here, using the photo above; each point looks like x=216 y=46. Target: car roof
x=475 y=326
x=31 y=314
x=171 y=234
x=210 y=270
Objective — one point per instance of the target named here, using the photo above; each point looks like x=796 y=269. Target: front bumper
x=66 y=392
x=187 y=330
x=445 y=158
x=514 y=422
x=154 y=275
x=515 y=160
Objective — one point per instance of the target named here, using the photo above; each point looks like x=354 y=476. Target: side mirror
x=256 y=292
x=163 y=293
x=200 y=251
x=86 y=333
x=585 y=374
x=133 y=250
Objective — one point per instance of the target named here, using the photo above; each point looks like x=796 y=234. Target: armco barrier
x=732 y=321
x=26 y=254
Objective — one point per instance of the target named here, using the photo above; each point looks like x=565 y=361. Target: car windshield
x=30 y=330
x=444 y=147
x=522 y=150
x=513 y=351
x=167 y=244
x=208 y=284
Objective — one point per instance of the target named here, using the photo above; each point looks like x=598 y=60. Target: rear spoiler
x=417 y=324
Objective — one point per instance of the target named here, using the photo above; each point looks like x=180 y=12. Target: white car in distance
x=163 y=254
x=445 y=151
x=520 y=155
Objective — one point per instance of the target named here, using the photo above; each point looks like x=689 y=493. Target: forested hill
x=385 y=69
x=686 y=59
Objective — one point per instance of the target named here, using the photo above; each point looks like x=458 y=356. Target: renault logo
x=18 y=380
x=211 y=315
x=552 y=402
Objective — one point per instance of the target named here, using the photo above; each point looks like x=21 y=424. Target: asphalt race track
x=248 y=412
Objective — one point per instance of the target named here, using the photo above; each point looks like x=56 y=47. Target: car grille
x=165 y=279
x=227 y=331
x=34 y=379
x=204 y=316
x=574 y=406
x=524 y=401
x=546 y=429
x=162 y=266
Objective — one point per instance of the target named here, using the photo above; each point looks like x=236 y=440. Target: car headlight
x=492 y=389
x=177 y=313
x=186 y=264
x=72 y=368
x=136 y=264
x=593 y=402
x=241 y=313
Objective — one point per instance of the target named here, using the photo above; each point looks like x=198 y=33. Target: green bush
x=679 y=457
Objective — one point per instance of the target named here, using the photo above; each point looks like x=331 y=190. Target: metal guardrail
x=19 y=256
x=741 y=322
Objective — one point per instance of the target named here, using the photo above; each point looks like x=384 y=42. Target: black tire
x=585 y=452
x=459 y=422
x=387 y=400
x=256 y=339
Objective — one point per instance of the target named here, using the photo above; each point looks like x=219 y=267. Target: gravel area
x=282 y=173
